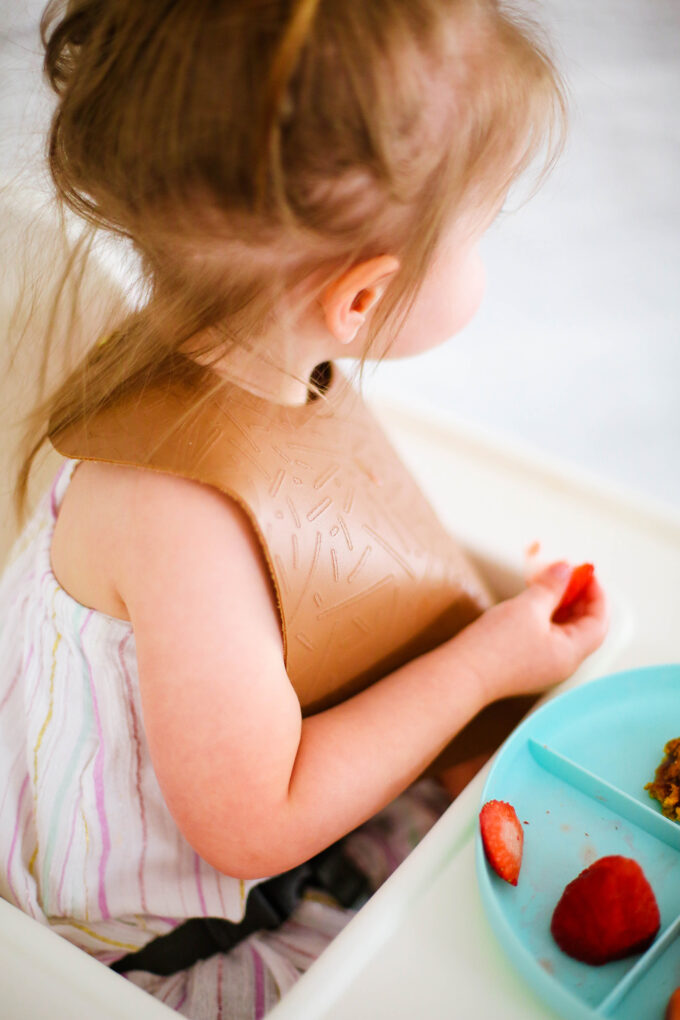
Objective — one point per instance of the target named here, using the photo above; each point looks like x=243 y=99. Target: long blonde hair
x=242 y=145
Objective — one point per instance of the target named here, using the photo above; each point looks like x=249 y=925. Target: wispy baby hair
x=247 y=146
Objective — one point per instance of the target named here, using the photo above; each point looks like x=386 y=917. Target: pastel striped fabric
x=247 y=982
x=87 y=845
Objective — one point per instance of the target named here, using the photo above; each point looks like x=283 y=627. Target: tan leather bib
x=365 y=575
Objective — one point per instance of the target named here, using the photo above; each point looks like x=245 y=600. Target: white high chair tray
x=422 y=946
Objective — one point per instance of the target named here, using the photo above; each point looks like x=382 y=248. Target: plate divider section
x=646 y=818
x=636 y=973
x=611 y=797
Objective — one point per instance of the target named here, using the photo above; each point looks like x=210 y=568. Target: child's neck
x=271 y=383
x=285 y=382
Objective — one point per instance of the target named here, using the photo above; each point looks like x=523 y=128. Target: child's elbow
x=256 y=857
x=253 y=851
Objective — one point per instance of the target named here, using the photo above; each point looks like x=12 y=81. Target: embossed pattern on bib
x=366 y=576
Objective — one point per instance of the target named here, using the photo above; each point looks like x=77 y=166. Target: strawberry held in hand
x=503 y=839
x=609 y=911
x=581 y=577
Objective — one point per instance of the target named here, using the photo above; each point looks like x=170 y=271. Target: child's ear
x=347 y=301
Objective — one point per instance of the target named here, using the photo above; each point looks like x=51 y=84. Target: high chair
x=422 y=946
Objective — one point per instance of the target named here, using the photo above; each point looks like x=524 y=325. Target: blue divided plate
x=575 y=772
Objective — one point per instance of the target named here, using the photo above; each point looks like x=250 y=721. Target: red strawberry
x=503 y=838
x=673 y=1007
x=578 y=582
x=609 y=911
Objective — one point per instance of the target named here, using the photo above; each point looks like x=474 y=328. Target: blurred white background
x=576 y=350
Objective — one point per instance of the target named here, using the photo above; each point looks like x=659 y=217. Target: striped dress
x=87 y=844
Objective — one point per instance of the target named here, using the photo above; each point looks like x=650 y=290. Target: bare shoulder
x=123 y=532
x=221 y=718
x=86 y=533
x=187 y=543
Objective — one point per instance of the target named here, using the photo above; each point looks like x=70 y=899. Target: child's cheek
x=446 y=302
x=467 y=292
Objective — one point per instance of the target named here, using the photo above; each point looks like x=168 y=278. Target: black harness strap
x=269 y=904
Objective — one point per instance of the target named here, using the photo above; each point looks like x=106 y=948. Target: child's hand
x=516 y=648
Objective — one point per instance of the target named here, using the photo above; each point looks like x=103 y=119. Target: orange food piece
x=673 y=1007
x=666 y=785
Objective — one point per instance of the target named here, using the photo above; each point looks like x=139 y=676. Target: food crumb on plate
x=666 y=784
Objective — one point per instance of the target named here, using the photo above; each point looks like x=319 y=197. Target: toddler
x=234 y=632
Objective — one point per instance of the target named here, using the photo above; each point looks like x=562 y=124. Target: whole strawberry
x=609 y=911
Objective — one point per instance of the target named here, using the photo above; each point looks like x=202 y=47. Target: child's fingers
x=550 y=584
x=595 y=597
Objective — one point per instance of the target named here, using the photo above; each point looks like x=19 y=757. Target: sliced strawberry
x=673 y=1007
x=609 y=911
x=578 y=582
x=503 y=839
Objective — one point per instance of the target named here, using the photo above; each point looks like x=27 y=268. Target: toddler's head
x=259 y=153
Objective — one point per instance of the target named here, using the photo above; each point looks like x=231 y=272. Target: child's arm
x=254 y=787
